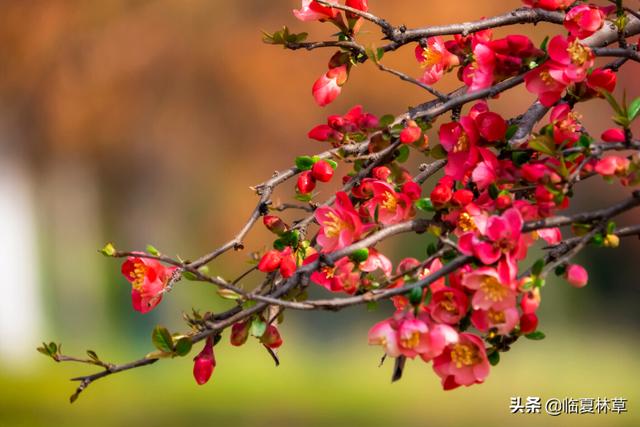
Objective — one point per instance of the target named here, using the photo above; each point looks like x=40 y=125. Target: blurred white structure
x=20 y=302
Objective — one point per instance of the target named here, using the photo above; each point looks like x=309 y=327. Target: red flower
x=584 y=20
x=435 y=59
x=148 y=279
x=306 y=182
x=271 y=337
x=549 y=4
x=273 y=260
x=462 y=363
x=602 y=79
x=411 y=133
x=204 y=363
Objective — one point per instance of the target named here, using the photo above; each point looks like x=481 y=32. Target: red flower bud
x=274 y=224
x=528 y=323
x=288 y=264
x=441 y=194
x=271 y=337
x=530 y=301
x=411 y=133
x=613 y=135
x=381 y=172
x=322 y=171
x=412 y=189
x=503 y=201
x=270 y=261
x=306 y=182
x=204 y=363
x=240 y=333
x=462 y=197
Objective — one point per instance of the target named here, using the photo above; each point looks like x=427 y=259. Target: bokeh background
x=145 y=121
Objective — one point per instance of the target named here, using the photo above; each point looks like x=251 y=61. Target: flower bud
x=240 y=333
x=611 y=241
x=270 y=261
x=441 y=194
x=306 y=182
x=271 y=337
x=322 y=171
x=528 y=323
x=462 y=197
x=530 y=301
x=288 y=263
x=204 y=363
x=381 y=172
x=412 y=190
x=411 y=133
x=503 y=201
x=274 y=224
x=577 y=276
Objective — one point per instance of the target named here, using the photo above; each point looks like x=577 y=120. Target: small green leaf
x=360 y=255
x=229 y=294
x=152 y=250
x=494 y=191
x=494 y=356
x=612 y=101
x=415 y=296
x=634 y=109
x=425 y=205
x=162 y=339
x=543 y=144
x=108 y=250
x=304 y=163
x=183 y=346
x=403 y=154
x=258 y=326
x=92 y=355
x=189 y=275
x=545 y=42
x=536 y=336
x=511 y=130
x=304 y=197
x=438 y=152
x=386 y=120
x=537 y=267
x=332 y=163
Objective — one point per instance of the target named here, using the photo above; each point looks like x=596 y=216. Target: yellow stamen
x=492 y=289
x=464 y=355
x=412 y=341
x=431 y=57
x=390 y=202
x=496 y=316
x=466 y=223
x=334 y=226
x=578 y=53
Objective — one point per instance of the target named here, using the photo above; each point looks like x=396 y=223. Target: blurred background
x=145 y=121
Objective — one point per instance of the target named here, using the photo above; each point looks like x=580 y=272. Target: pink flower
x=462 y=363
x=566 y=125
x=613 y=135
x=502 y=320
x=549 y=4
x=204 y=363
x=540 y=82
x=459 y=140
x=490 y=292
x=479 y=74
x=584 y=20
x=390 y=206
x=148 y=279
x=376 y=261
x=435 y=59
x=313 y=11
x=343 y=276
x=552 y=236
x=328 y=87
x=502 y=243
x=577 y=276
x=612 y=165
x=574 y=58
x=486 y=172
x=384 y=334
x=448 y=305
x=340 y=226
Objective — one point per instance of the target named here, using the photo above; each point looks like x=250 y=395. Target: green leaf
x=258 y=326
x=611 y=227
x=494 y=191
x=92 y=355
x=359 y=255
x=494 y=356
x=545 y=42
x=415 y=296
x=229 y=294
x=511 y=130
x=520 y=157
x=183 y=346
x=161 y=339
x=152 y=250
x=304 y=163
x=543 y=144
x=304 y=197
x=612 y=101
x=634 y=109
x=386 y=120
x=108 y=250
x=560 y=270
x=438 y=152
x=425 y=205
x=536 y=336
x=537 y=267
x=332 y=163
x=189 y=275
